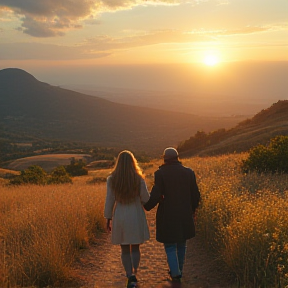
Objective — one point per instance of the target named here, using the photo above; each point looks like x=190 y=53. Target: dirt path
x=100 y=266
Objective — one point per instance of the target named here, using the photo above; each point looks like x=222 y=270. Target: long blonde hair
x=126 y=177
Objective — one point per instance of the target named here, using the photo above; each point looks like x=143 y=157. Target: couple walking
x=175 y=191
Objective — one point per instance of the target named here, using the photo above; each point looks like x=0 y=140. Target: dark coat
x=176 y=191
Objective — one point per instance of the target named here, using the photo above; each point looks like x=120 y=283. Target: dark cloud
x=40 y=29
x=50 y=8
x=48 y=18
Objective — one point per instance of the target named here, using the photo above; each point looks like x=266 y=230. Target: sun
x=211 y=60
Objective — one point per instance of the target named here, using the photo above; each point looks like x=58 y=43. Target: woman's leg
x=126 y=259
x=135 y=252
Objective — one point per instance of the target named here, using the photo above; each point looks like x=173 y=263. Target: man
x=176 y=191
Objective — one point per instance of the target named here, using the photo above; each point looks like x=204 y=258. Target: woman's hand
x=108 y=225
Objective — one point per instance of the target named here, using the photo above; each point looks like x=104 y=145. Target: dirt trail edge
x=100 y=265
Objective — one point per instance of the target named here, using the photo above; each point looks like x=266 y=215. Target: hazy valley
x=183 y=102
x=232 y=89
x=33 y=109
x=37 y=118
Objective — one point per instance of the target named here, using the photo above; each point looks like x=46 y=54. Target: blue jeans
x=175 y=253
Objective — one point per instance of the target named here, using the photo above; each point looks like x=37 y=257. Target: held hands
x=195 y=217
x=108 y=225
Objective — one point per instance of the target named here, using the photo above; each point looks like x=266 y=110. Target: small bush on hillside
x=59 y=175
x=97 y=180
x=77 y=167
x=32 y=175
x=272 y=158
x=36 y=175
x=202 y=140
x=101 y=164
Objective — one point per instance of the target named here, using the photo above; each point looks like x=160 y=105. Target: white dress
x=129 y=224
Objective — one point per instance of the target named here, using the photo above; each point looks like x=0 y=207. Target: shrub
x=97 y=180
x=77 y=167
x=59 y=176
x=272 y=158
x=32 y=175
x=36 y=175
x=101 y=164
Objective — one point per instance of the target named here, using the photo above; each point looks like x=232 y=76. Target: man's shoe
x=176 y=279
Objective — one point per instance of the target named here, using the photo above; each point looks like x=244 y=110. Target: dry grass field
x=43 y=227
x=242 y=219
x=6 y=172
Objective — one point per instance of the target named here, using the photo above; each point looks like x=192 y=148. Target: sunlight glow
x=211 y=60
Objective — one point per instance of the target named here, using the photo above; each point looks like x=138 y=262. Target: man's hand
x=195 y=217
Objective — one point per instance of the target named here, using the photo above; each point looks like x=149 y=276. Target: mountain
x=36 y=109
x=265 y=125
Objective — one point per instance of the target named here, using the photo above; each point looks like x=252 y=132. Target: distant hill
x=47 y=162
x=260 y=129
x=33 y=109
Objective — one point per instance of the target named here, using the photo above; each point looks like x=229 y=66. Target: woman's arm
x=110 y=200
x=144 y=193
x=108 y=225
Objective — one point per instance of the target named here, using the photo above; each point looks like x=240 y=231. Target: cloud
x=231 y=32
x=245 y=30
x=40 y=29
x=107 y=43
x=104 y=43
x=48 y=8
x=96 y=47
x=38 y=51
x=48 y=18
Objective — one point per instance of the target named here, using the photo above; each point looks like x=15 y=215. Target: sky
x=156 y=44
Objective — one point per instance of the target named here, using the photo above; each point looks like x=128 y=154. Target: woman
x=126 y=193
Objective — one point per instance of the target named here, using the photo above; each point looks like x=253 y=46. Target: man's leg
x=181 y=252
x=172 y=259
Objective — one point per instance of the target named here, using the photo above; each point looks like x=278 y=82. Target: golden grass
x=242 y=220
x=43 y=227
x=6 y=172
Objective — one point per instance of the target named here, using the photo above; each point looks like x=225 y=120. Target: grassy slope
x=260 y=129
x=47 y=162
